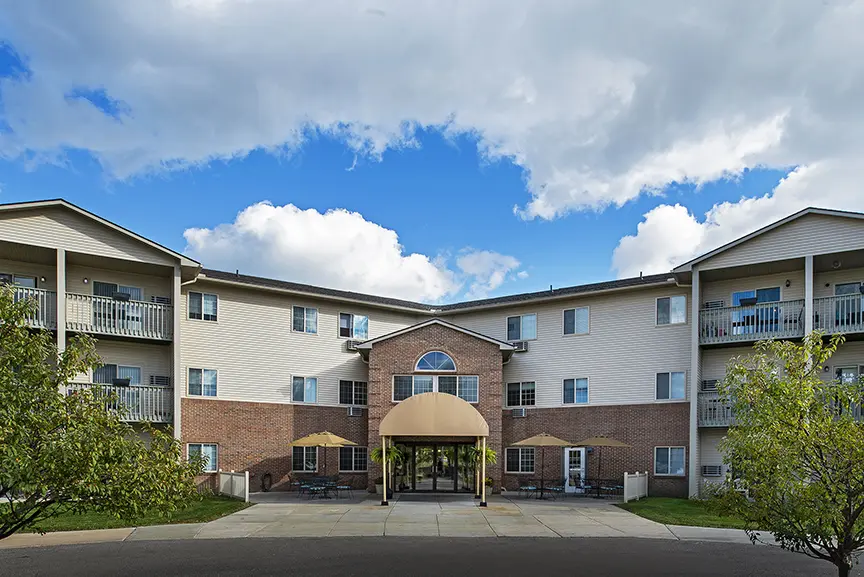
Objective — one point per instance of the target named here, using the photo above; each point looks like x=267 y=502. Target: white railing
x=109 y=316
x=135 y=403
x=777 y=320
x=635 y=486
x=45 y=315
x=839 y=314
x=712 y=411
x=234 y=485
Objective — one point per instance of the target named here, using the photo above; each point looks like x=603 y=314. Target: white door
x=574 y=469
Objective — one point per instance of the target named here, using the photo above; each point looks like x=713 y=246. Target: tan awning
x=543 y=440
x=434 y=415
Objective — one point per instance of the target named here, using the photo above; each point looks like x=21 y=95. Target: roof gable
x=502 y=345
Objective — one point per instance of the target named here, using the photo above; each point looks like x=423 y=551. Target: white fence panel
x=234 y=485
x=635 y=486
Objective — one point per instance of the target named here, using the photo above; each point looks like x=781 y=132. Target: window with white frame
x=23 y=281
x=304 y=389
x=669 y=461
x=575 y=391
x=304 y=459
x=671 y=386
x=210 y=453
x=305 y=320
x=353 y=459
x=576 y=321
x=203 y=306
x=522 y=328
x=353 y=326
x=520 y=394
x=520 y=459
x=353 y=392
x=435 y=361
x=466 y=387
x=106 y=374
x=202 y=383
x=672 y=310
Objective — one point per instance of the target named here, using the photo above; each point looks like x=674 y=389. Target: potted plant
x=395 y=458
x=379 y=485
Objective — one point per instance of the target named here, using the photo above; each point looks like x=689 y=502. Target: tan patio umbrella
x=323 y=439
x=543 y=440
x=600 y=442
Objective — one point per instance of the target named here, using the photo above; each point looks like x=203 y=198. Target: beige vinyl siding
x=256 y=353
x=57 y=227
x=813 y=233
x=849 y=354
x=153 y=359
x=710 y=455
x=32 y=269
x=834 y=277
x=620 y=356
x=723 y=289
x=715 y=361
x=151 y=285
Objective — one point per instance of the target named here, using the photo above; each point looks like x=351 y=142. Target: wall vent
x=714 y=304
x=160 y=300
x=519 y=412
x=355 y=411
x=352 y=345
x=709 y=385
x=712 y=470
x=160 y=381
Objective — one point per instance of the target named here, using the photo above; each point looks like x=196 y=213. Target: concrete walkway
x=427 y=516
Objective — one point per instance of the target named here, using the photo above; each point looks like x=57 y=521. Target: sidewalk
x=432 y=517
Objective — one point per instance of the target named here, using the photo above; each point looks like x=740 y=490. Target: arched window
x=436 y=361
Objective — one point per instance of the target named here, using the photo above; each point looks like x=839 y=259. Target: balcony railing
x=839 y=314
x=712 y=411
x=45 y=315
x=135 y=403
x=777 y=320
x=109 y=316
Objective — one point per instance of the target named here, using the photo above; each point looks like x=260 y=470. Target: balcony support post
x=61 y=300
x=808 y=294
x=695 y=372
x=175 y=347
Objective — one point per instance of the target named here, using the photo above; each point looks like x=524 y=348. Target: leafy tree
x=797 y=450
x=64 y=453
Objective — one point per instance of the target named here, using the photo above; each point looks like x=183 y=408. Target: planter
x=379 y=488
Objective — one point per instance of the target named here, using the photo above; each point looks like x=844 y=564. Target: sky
x=435 y=151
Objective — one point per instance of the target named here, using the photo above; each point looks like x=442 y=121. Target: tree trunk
x=843 y=570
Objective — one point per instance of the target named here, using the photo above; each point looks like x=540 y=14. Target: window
x=520 y=394
x=107 y=373
x=209 y=451
x=671 y=386
x=353 y=326
x=304 y=459
x=353 y=392
x=203 y=306
x=202 y=383
x=18 y=280
x=304 y=390
x=305 y=320
x=436 y=361
x=576 y=321
x=669 y=461
x=520 y=459
x=575 y=391
x=352 y=459
x=671 y=310
x=466 y=388
x=522 y=328
x=469 y=389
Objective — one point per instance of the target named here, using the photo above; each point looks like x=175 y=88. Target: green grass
x=681 y=512
x=208 y=509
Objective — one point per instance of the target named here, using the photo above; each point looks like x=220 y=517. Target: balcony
x=135 y=403
x=838 y=314
x=111 y=316
x=775 y=320
x=45 y=315
x=712 y=411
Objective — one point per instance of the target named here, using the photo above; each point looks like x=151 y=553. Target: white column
x=695 y=373
x=61 y=300
x=483 y=474
x=808 y=294
x=175 y=349
x=476 y=471
x=384 y=466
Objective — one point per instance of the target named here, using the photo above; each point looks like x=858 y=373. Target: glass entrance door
x=434 y=467
x=446 y=470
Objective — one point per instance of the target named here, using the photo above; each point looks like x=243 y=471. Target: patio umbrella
x=543 y=440
x=600 y=442
x=323 y=439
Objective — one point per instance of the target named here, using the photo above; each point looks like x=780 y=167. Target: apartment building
x=240 y=366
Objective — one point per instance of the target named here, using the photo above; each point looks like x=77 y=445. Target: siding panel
x=151 y=285
x=723 y=289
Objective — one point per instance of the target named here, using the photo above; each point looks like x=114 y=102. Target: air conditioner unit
x=519 y=412
x=520 y=346
x=714 y=304
x=352 y=345
x=160 y=300
x=709 y=385
x=355 y=411
x=160 y=381
x=712 y=470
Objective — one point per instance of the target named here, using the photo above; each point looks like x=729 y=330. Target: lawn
x=208 y=509
x=680 y=512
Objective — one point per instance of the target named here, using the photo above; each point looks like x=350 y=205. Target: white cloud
x=598 y=101
x=338 y=249
x=522 y=274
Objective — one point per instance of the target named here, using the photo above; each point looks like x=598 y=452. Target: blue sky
x=546 y=162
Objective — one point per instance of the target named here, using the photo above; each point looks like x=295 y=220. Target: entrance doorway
x=574 y=469
x=437 y=467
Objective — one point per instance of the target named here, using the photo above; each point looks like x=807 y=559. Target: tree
x=796 y=450
x=64 y=452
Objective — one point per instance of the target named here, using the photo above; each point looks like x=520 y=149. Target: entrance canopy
x=434 y=415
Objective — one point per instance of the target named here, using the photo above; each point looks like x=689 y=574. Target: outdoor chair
x=344 y=487
x=529 y=489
